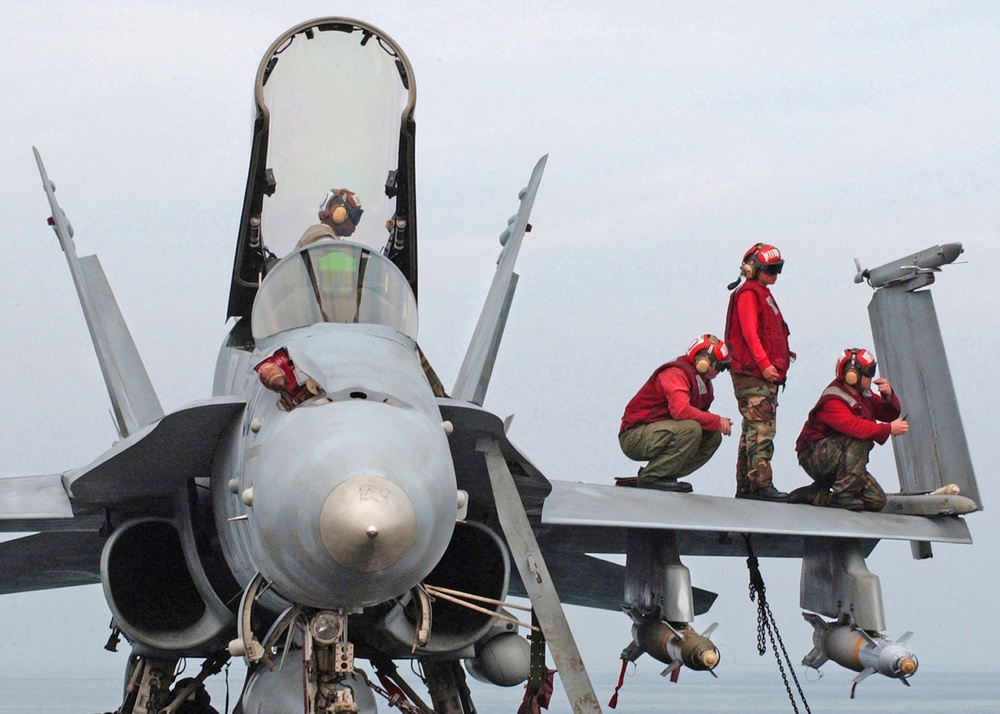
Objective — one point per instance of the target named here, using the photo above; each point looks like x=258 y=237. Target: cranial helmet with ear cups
x=340 y=205
x=854 y=364
x=708 y=351
x=762 y=257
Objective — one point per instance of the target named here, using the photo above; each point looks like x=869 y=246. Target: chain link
x=766 y=623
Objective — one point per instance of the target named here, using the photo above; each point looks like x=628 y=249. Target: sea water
x=747 y=689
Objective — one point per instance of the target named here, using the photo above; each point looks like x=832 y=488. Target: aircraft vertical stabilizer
x=133 y=398
x=911 y=354
x=477 y=367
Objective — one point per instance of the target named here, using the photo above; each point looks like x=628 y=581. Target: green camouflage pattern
x=431 y=375
x=839 y=464
x=757 y=400
x=673 y=448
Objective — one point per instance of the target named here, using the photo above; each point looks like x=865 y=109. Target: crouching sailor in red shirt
x=842 y=428
x=668 y=423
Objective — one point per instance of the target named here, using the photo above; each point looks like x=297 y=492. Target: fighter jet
x=332 y=504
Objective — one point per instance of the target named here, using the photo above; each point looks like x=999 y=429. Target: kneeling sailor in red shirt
x=840 y=433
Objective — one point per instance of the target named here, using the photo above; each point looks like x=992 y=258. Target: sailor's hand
x=884 y=388
x=771 y=373
x=898 y=426
x=725 y=426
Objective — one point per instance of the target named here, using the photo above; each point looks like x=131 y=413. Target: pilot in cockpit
x=339 y=215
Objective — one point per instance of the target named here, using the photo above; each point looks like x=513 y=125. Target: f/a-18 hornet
x=332 y=503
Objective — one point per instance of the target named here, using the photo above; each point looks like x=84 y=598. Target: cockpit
x=333 y=139
x=334 y=281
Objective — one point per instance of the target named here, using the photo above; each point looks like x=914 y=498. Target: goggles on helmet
x=772 y=268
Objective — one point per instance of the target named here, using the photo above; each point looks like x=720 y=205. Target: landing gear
x=446 y=684
x=328 y=658
x=148 y=690
x=306 y=653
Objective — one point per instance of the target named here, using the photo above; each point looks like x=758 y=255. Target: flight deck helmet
x=708 y=352
x=761 y=258
x=341 y=210
x=855 y=363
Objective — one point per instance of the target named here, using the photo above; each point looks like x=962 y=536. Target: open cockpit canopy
x=334 y=281
x=333 y=136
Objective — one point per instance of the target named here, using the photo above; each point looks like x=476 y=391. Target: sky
x=678 y=135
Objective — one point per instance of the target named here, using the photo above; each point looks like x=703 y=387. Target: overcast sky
x=678 y=135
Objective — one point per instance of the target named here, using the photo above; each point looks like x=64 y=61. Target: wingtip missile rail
x=920 y=265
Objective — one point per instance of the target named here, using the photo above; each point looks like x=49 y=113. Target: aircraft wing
x=579 y=578
x=50 y=560
x=573 y=522
x=148 y=464
x=70 y=509
x=580 y=519
x=41 y=503
x=591 y=518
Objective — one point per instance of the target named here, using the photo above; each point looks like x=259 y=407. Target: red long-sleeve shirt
x=674 y=391
x=674 y=384
x=866 y=419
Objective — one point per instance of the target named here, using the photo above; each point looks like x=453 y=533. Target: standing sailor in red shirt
x=668 y=423
x=841 y=430
x=758 y=339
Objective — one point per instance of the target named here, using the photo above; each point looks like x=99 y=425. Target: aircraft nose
x=368 y=523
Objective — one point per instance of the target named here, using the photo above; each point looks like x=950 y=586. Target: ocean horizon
x=740 y=689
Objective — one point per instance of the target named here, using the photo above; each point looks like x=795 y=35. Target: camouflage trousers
x=673 y=448
x=757 y=400
x=839 y=465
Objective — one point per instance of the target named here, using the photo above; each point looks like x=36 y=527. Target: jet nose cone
x=368 y=523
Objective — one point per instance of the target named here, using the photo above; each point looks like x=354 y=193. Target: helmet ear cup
x=702 y=363
x=848 y=368
x=748 y=270
x=338 y=215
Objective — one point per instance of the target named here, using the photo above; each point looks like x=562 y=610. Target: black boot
x=768 y=493
x=845 y=501
x=665 y=484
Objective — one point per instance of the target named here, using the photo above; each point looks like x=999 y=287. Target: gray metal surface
x=618 y=509
x=133 y=399
x=835 y=581
x=657 y=584
x=155 y=461
x=904 y=269
x=477 y=367
x=56 y=559
x=911 y=356
x=133 y=392
x=29 y=497
x=538 y=582
x=929 y=505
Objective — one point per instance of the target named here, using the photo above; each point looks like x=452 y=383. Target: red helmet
x=339 y=206
x=708 y=351
x=762 y=258
x=855 y=363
